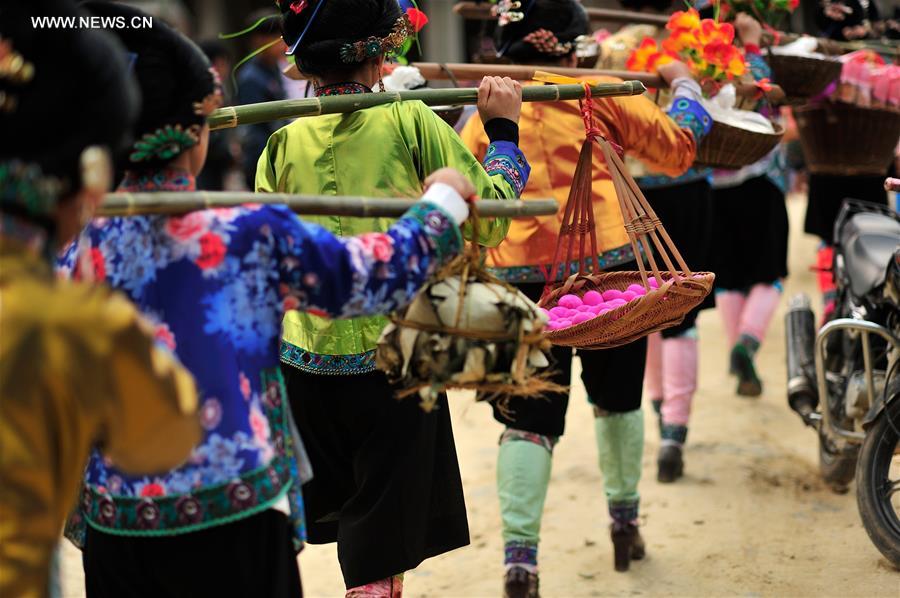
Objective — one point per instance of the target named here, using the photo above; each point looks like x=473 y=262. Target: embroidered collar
x=340 y=89
x=167 y=179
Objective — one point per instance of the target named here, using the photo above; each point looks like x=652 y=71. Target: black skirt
x=827 y=194
x=250 y=557
x=750 y=234
x=686 y=212
x=386 y=484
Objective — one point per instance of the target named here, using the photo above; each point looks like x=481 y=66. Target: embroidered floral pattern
x=327 y=365
x=505 y=158
x=375 y=46
x=522 y=274
x=690 y=114
x=214 y=285
x=520 y=552
x=340 y=89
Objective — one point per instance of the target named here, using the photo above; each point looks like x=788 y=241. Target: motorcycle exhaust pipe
x=800 y=332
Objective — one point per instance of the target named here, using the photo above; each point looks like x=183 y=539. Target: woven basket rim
x=831 y=105
x=779 y=129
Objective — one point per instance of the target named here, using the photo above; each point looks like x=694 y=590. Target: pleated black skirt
x=686 y=211
x=750 y=234
x=386 y=485
x=250 y=557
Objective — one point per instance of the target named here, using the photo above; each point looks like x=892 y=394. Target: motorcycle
x=844 y=380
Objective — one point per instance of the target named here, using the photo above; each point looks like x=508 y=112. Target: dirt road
x=751 y=517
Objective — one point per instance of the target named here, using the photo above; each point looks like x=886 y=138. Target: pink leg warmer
x=730 y=305
x=392 y=587
x=680 y=356
x=653 y=375
x=758 y=311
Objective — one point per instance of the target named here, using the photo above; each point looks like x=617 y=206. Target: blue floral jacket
x=215 y=284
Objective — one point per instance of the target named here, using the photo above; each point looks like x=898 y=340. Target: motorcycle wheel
x=877 y=495
x=838 y=467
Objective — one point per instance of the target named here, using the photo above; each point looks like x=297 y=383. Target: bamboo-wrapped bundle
x=174 y=203
x=233 y=116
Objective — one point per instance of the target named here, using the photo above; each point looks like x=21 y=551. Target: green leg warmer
x=620 y=445
x=523 y=474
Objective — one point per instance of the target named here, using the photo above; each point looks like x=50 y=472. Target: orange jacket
x=551 y=135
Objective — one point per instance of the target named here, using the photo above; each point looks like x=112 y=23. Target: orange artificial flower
x=684 y=19
x=637 y=61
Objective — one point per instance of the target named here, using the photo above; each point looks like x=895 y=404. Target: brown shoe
x=519 y=583
x=628 y=545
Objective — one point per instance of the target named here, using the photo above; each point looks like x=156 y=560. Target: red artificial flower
x=764 y=85
x=418 y=18
x=212 y=251
x=153 y=490
x=297 y=7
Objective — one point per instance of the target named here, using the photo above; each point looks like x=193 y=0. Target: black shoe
x=628 y=545
x=520 y=583
x=749 y=384
x=670 y=464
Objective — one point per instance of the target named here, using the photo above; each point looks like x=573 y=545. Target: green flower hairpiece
x=25 y=186
x=165 y=143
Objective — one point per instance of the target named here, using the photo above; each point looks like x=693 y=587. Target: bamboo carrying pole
x=175 y=203
x=478 y=11
x=233 y=116
x=435 y=71
x=472 y=72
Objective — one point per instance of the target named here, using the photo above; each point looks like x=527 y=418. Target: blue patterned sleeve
x=690 y=114
x=506 y=159
x=372 y=273
x=759 y=68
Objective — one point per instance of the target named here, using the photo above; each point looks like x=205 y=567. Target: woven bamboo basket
x=846 y=139
x=733 y=148
x=680 y=290
x=803 y=77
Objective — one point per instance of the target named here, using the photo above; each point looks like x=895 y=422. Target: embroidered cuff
x=506 y=159
x=690 y=114
x=443 y=233
x=444 y=196
x=759 y=68
x=502 y=129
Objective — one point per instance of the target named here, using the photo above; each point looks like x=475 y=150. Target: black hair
x=213 y=48
x=566 y=19
x=69 y=104
x=172 y=72
x=337 y=22
x=657 y=5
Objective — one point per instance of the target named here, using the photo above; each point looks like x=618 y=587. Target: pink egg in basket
x=637 y=289
x=569 y=301
x=614 y=303
x=654 y=284
x=584 y=308
x=582 y=317
x=559 y=311
x=612 y=294
x=629 y=295
x=592 y=298
x=565 y=323
x=605 y=310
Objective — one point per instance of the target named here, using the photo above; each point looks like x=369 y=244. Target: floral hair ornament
x=508 y=11
x=546 y=42
x=15 y=69
x=165 y=143
x=213 y=100
x=375 y=46
x=25 y=186
x=297 y=7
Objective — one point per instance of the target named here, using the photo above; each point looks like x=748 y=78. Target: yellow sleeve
x=153 y=424
x=439 y=146
x=647 y=133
